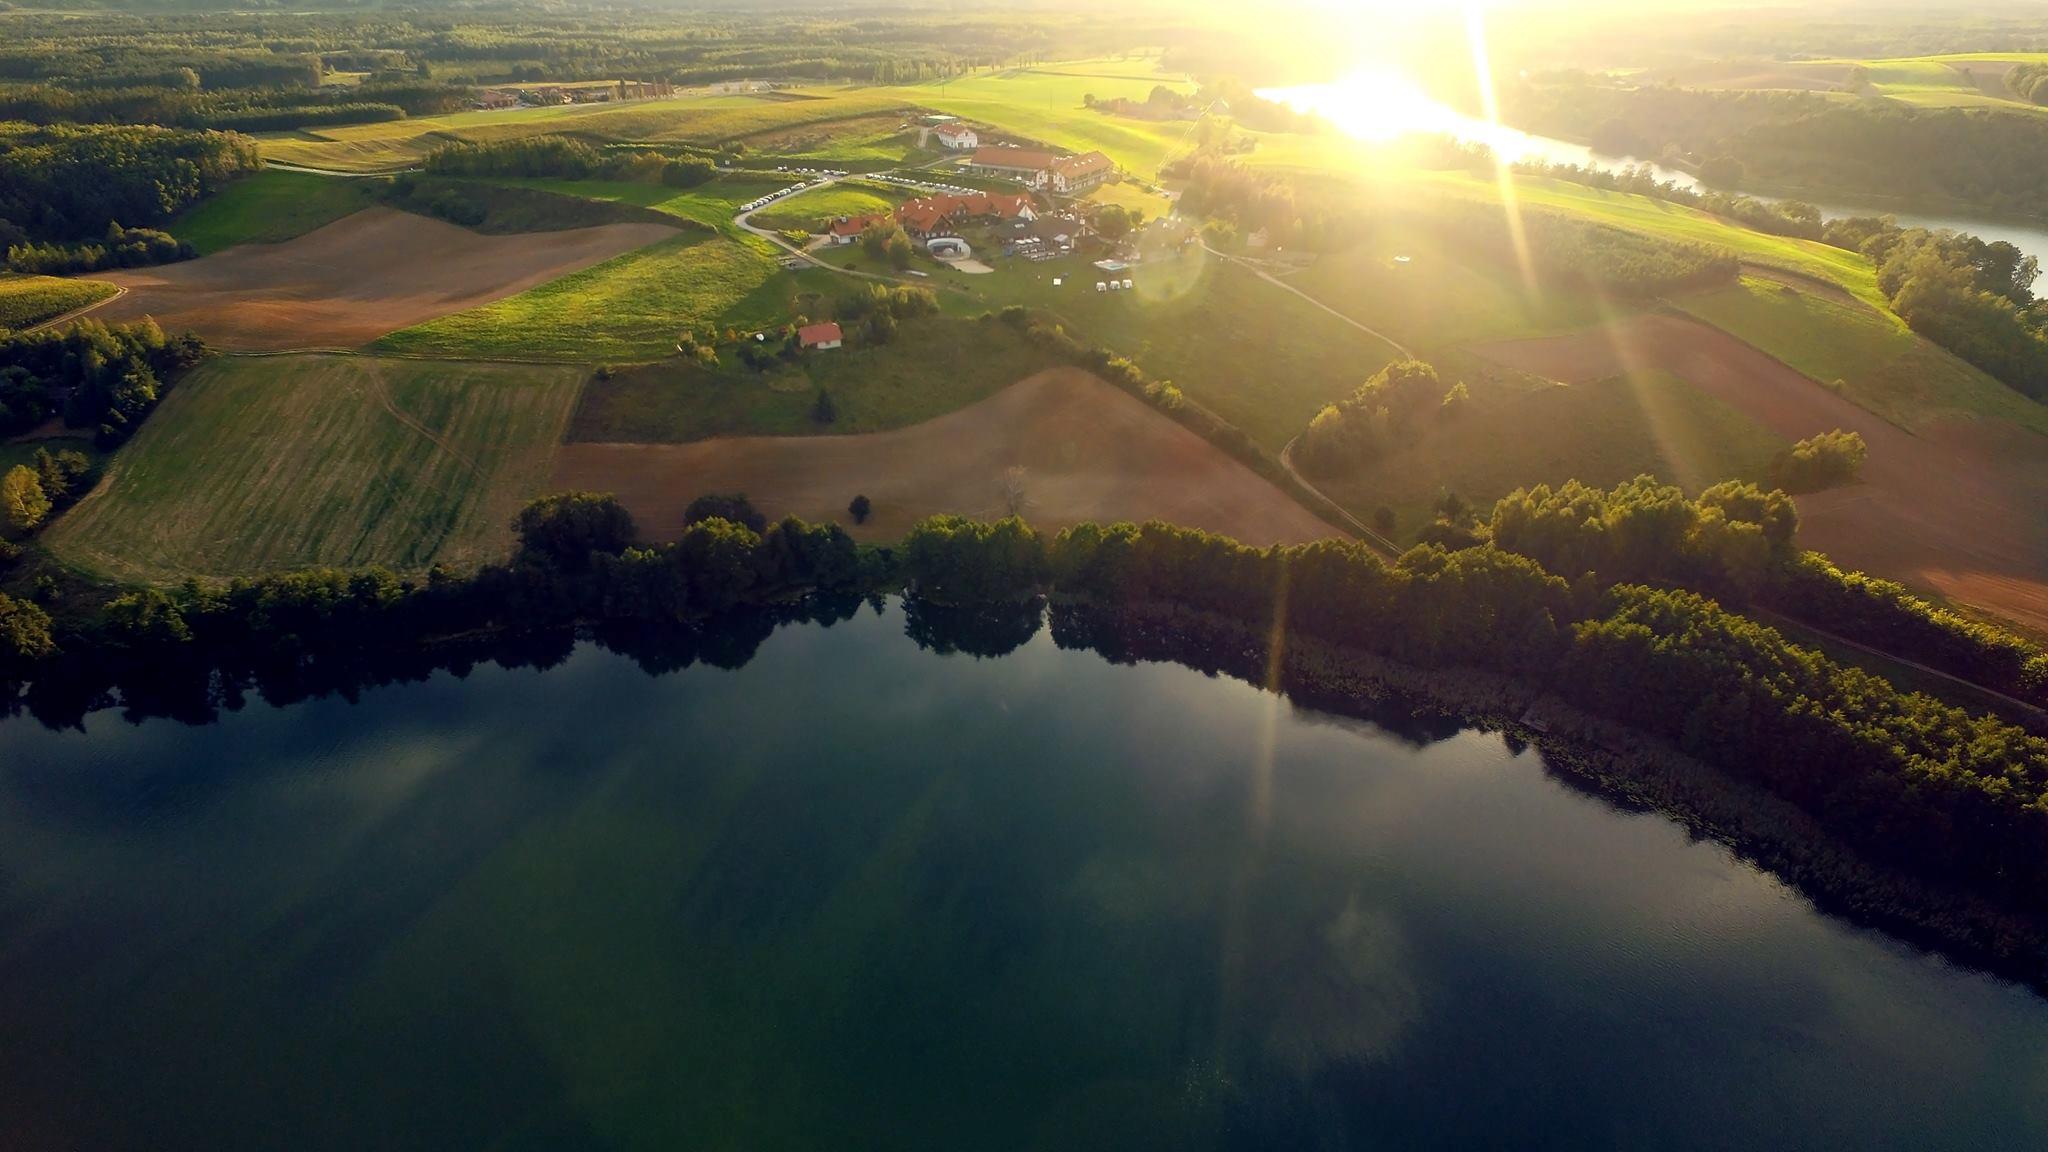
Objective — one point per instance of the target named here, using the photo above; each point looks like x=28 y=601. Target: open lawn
x=1519 y=432
x=630 y=307
x=259 y=464
x=806 y=211
x=1882 y=365
x=30 y=300
x=1058 y=447
x=868 y=141
x=712 y=204
x=1439 y=295
x=690 y=119
x=933 y=366
x=270 y=206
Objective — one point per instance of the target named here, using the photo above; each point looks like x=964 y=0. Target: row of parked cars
x=809 y=171
x=772 y=197
x=907 y=182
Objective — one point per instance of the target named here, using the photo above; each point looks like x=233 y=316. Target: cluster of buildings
x=928 y=217
x=1064 y=175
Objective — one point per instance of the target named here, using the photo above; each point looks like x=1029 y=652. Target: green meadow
x=269 y=207
x=29 y=300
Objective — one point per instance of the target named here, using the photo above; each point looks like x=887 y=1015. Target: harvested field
x=357 y=279
x=1072 y=447
x=256 y=464
x=1953 y=508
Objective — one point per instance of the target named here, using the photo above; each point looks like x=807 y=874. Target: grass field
x=1516 y=433
x=807 y=210
x=697 y=119
x=868 y=141
x=932 y=367
x=29 y=300
x=1883 y=366
x=712 y=204
x=270 y=206
x=334 y=460
x=630 y=307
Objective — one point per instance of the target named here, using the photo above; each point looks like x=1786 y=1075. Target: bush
x=734 y=507
x=1824 y=461
x=859 y=508
x=567 y=530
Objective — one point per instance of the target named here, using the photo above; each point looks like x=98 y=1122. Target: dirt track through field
x=356 y=279
x=1956 y=509
x=1075 y=447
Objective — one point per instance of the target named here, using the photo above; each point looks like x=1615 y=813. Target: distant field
x=335 y=460
x=932 y=367
x=1517 y=434
x=806 y=210
x=865 y=140
x=270 y=206
x=1047 y=105
x=630 y=307
x=712 y=204
x=692 y=119
x=29 y=300
x=1883 y=366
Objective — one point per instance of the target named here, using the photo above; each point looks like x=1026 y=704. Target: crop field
x=326 y=289
x=1518 y=433
x=712 y=204
x=806 y=210
x=688 y=119
x=1882 y=365
x=1057 y=447
x=933 y=366
x=630 y=307
x=270 y=206
x=864 y=140
x=334 y=460
x=30 y=300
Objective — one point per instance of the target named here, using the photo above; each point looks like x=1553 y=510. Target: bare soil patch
x=1956 y=509
x=1071 y=446
x=357 y=279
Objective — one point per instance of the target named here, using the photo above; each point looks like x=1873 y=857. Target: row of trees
x=566 y=158
x=1902 y=777
x=1777 y=217
x=120 y=248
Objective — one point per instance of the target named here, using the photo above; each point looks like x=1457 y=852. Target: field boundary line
x=2030 y=708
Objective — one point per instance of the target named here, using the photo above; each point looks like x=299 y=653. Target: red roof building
x=826 y=335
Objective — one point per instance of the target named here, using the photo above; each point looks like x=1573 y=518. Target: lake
x=1380 y=106
x=855 y=888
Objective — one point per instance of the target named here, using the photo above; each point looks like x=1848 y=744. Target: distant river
x=1379 y=107
x=857 y=889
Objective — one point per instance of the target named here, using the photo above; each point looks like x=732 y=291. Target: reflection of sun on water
x=1373 y=105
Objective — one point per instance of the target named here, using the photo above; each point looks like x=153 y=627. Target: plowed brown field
x=1068 y=446
x=356 y=279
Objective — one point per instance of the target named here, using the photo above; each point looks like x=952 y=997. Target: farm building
x=929 y=216
x=1070 y=175
x=820 y=336
x=956 y=135
x=1021 y=164
x=847 y=229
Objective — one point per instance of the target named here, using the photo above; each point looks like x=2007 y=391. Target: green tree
x=22 y=500
x=823 y=410
x=566 y=529
x=859 y=509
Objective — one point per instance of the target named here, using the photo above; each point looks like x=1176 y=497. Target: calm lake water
x=857 y=893
x=1378 y=107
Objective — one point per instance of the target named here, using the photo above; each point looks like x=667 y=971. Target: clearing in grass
x=932 y=366
x=336 y=460
x=271 y=206
x=26 y=301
